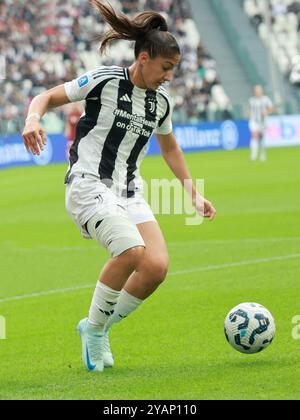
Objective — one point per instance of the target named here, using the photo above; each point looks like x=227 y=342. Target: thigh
x=255 y=135
x=255 y=129
x=153 y=267
x=156 y=248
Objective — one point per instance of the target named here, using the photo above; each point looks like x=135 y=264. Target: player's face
x=258 y=91
x=156 y=71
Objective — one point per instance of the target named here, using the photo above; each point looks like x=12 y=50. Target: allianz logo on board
x=195 y=137
x=15 y=153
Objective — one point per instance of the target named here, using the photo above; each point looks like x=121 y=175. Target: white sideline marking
x=235 y=241
x=235 y=264
x=46 y=293
x=174 y=273
x=169 y=244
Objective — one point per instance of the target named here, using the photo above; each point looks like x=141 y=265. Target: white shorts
x=257 y=127
x=88 y=196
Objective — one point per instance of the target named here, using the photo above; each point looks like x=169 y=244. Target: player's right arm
x=74 y=91
x=34 y=135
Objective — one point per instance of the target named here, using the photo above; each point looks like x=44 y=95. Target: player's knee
x=157 y=269
x=132 y=257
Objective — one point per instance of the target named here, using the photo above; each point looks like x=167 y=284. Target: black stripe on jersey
x=101 y=73
x=87 y=122
x=103 y=69
x=117 y=133
x=141 y=142
x=108 y=74
x=126 y=72
x=162 y=120
x=107 y=71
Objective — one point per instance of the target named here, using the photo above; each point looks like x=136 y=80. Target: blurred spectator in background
x=283 y=36
x=295 y=73
x=46 y=43
x=260 y=107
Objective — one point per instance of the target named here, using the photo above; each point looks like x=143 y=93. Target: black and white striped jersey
x=258 y=108
x=113 y=133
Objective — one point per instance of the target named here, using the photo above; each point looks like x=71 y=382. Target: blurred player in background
x=103 y=184
x=260 y=108
x=73 y=114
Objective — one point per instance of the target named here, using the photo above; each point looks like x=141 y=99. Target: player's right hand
x=34 y=136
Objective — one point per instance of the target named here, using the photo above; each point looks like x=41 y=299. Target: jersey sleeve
x=165 y=125
x=78 y=89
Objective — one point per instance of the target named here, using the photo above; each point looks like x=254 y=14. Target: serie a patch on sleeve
x=83 y=81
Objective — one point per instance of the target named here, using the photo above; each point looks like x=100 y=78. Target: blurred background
x=227 y=48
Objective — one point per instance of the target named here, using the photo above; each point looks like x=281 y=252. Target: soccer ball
x=249 y=328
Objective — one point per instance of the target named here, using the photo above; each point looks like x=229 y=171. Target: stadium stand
x=283 y=38
x=47 y=43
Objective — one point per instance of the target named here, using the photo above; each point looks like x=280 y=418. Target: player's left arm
x=174 y=157
x=269 y=109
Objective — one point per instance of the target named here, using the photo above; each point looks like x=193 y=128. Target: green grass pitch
x=173 y=347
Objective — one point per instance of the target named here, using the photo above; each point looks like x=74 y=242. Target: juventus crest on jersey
x=119 y=119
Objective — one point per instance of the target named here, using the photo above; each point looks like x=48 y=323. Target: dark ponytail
x=149 y=30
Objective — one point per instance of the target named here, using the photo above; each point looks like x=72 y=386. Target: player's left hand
x=209 y=210
x=204 y=207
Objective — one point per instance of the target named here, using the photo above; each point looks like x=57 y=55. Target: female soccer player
x=103 y=185
x=260 y=108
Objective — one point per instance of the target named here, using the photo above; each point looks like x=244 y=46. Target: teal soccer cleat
x=92 y=346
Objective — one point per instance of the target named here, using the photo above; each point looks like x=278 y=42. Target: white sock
x=263 y=152
x=126 y=304
x=103 y=305
x=254 y=146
